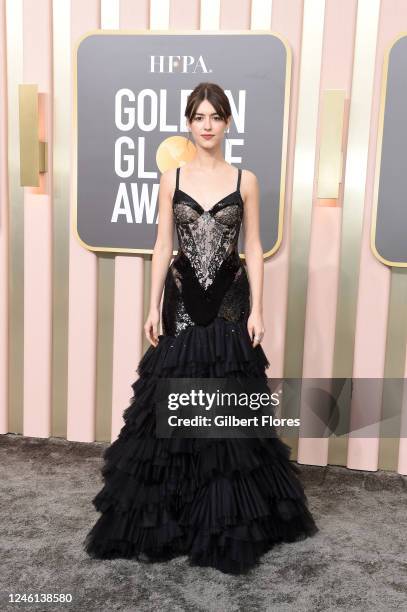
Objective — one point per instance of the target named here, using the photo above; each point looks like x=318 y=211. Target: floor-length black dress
x=221 y=501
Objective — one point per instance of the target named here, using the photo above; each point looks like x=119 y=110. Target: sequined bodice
x=207 y=237
x=206 y=278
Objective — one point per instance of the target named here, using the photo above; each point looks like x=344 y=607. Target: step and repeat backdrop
x=132 y=90
x=92 y=113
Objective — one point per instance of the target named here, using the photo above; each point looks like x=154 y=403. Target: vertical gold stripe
x=394 y=362
x=310 y=72
x=105 y=299
x=397 y=325
x=354 y=187
x=14 y=33
x=104 y=352
x=303 y=180
x=61 y=58
x=354 y=198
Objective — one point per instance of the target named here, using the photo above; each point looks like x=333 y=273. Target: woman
x=223 y=502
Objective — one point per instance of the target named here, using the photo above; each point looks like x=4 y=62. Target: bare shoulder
x=167 y=180
x=249 y=184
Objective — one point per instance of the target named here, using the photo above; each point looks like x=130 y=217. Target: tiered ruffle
x=223 y=502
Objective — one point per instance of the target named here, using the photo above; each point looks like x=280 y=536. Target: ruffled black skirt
x=221 y=501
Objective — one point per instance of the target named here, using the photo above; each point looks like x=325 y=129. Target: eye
x=216 y=117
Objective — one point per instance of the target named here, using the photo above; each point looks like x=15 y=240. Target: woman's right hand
x=151 y=326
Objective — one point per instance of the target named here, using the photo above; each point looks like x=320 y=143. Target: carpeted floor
x=357 y=561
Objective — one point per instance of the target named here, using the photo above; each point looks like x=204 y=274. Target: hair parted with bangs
x=214 y=94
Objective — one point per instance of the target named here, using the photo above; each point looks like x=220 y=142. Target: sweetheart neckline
x=206 y=210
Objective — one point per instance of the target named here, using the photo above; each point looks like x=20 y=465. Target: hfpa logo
x=177 y=63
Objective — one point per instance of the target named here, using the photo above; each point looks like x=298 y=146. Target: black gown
x=223 y=502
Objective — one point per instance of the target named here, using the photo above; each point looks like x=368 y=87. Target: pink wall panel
x=3 y=228
x=325 y=239
x=287 y=21
x=82 y=289
x=37 y=57
x=129 y=277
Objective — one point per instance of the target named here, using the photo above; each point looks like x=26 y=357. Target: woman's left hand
x=255 y=327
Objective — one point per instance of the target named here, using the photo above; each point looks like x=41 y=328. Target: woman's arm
x=162 y=253
x=253 y=253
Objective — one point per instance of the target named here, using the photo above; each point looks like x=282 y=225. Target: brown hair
x=214 y=94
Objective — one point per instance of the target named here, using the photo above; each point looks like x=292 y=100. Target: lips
x=207 y=136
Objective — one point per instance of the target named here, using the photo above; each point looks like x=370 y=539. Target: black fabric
x=203 y=304
x=207 y=278
x=222 y=502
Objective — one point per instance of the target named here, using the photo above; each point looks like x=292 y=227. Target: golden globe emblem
x=174 y=151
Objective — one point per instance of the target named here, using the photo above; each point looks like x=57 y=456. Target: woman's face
x=207 y=121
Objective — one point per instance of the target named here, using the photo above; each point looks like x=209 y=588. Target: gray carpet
x=356 y=562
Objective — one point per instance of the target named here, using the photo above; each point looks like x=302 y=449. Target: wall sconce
x=33 y=151
x=330 y=149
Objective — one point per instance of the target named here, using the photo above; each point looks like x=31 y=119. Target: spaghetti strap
x=177 y=181
x=239 y=174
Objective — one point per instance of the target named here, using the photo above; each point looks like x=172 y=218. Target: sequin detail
x=207 y=278
x=207 y=239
